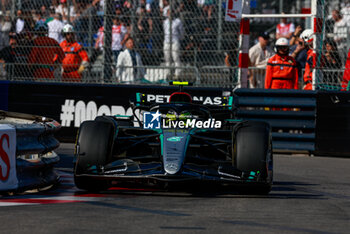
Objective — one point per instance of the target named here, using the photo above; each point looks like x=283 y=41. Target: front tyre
x=253 y=152
x=93 y=150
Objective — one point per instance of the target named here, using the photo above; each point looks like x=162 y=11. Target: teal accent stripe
x=161 y=137
x=230 y=102
x=138 y=99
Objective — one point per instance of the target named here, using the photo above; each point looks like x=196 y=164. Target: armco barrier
x=291 y=114
x=333 y=123
x=26 y=149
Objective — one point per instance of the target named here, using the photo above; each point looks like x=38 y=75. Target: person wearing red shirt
x=281 y=69
x=76 y=58
x=346 y=76
x=46 y=54
x=284 y=29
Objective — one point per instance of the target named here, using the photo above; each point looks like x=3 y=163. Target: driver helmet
x=180 y=97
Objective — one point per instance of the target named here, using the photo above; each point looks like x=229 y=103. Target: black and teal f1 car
x=174 y=142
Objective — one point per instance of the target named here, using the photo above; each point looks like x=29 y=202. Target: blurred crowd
x=334 y=54
x=185 y=33
x=148 y=21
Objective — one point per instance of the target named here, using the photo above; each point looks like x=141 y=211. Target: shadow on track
x=280 y=190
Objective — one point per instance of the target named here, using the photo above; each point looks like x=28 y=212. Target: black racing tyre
x=253 y=152
x=93 y=147
x=119 y=122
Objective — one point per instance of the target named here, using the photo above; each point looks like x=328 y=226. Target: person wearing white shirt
x=55 y=28
x=259 y=54
x=19 y=22
x=340 y=31
x=63 y=10
x=172 y=45
x=129 y=64
x=345 y=11
x=5 y=28
x=119 y=34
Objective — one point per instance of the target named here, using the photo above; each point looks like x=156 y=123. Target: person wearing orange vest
x=281 y=69
x=46 y=54
x=76 y=58
x=346 y=76
x=308 y=36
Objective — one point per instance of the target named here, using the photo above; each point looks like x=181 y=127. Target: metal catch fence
x=174 y=39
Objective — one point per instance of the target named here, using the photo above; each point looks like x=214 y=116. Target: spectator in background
x=346 y=76
x=23 y=47
x=191 y=14
x=148 y=4
x=163 y=7
x=298 y=51
x=285 y=29
x=65 y=11
x=345 y=10
x=329 y=26
x=76 y=59
x=144 y=31
x=258 y=56
x=5 y=28
x=231 y=57
x=208 y=7
x=55 y=28
x=340 y=32
x=332 y=57
x=281 y=69
x=119 y=12
x=174 y=42
x=9 y=55
x=19 y=22
x=46 y=55
x=1 y=32
x=44 y=12
x=295 y=36
x=54 y=5
x=332 y=64
x=52 y=16
x=119 y=34
x=129 y=64
x=25 y=22
x=83 y=19
x=38 y=16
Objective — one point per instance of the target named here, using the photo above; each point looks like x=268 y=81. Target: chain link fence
x=173 y=40
x=331 y=51
x=335 y=44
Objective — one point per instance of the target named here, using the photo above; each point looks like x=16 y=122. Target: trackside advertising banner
x=71 y=104
x=8 y=177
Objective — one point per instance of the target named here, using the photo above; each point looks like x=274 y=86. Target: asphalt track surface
x=310 y=195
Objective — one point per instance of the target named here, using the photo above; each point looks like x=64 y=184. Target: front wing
x=129 y=171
